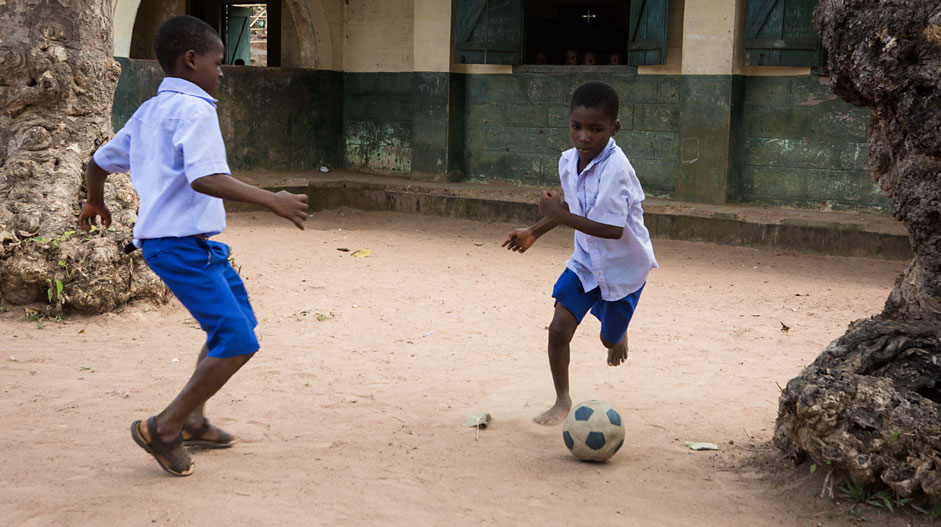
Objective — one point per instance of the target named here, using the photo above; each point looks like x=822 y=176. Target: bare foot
x=556 y=414
x=618 y=353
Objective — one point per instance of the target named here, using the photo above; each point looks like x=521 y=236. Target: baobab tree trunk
x=57 y=79
x=870 y=404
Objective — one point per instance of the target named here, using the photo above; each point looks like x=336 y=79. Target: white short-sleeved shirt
x=607 y=191
x=172 y=140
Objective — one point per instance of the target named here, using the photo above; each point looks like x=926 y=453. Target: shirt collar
x=598 y=158
x=178 y=85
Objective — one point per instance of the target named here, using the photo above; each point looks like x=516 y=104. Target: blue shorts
x=199 y=274
x=614 y=316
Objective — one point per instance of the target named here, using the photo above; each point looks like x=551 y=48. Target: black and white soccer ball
x=593 y=431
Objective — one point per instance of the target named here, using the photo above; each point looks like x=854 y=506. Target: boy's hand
x=551 y=205
x=90 y=214
x=291 y=206
x=519 y=240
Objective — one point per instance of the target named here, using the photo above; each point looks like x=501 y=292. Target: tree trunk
x=870 y=404
x=57 y=80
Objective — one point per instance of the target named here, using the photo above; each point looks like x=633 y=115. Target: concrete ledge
x=764 y=228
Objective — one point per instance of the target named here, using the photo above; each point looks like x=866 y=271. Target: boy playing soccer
x=608 y=269
x=173 y=147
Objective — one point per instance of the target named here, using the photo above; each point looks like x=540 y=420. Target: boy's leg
x=199 y=275
x=210 y=375
x=561 y=331
x=197 y=431
x=617 y=353
x=196 y=418
x=615 y=317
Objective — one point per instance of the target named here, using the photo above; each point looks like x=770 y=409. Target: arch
x=315 y=47
x=123 y=14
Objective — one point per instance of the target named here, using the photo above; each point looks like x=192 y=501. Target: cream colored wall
x=432 y=35
x=709 y=35
x=378 y=35
x=705 y=37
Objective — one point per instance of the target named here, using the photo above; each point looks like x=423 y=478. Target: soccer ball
x=593 y=431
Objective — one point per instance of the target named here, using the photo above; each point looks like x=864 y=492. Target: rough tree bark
x=870 y=404
x=57 y=79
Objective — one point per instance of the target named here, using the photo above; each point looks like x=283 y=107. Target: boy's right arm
x=285 y=204
x=521 y=239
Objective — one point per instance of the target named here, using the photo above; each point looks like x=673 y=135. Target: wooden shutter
x=488 y=32
x=781 y=33
x=647 y=44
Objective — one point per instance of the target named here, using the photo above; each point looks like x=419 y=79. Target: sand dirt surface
x=352 y=412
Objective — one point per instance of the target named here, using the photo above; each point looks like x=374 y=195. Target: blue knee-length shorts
x=614 y=316
x=199 y=274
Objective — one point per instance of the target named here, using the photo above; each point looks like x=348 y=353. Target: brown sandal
x=177 y=465
x=195 y=436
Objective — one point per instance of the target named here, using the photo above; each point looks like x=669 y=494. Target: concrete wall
x=377 y=122
x=517 y=125
x=281 y=119
x=805 y=147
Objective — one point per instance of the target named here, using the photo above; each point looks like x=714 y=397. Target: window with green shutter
x=488 y=31
x=647 y=45
x=781 y=33
x=547 y=32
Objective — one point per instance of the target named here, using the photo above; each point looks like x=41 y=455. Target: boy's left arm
x=552 y=207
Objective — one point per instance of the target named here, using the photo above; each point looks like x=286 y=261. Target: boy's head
x=593 y=118
x=615 y=59
x=590 y=59
x=189 y=48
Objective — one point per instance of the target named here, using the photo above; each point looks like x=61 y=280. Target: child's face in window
x=614 y=59
x=590 y=59
x=571 y=58
x=590 y=130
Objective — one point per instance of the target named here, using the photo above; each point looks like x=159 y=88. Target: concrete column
x=711 y=101
x=437 y=122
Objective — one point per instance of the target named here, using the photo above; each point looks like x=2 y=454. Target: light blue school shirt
x=172 y=140
x=608 y=191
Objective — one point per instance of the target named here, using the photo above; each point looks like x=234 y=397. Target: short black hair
x=598 y=95
x=181 y=34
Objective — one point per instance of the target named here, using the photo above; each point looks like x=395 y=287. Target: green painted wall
x=709 y=137
x=517 y=125
x=777 y=141
x=805 y=147
x=378 y=111
x=271 y=119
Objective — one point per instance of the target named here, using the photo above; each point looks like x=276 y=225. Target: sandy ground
x=352 y=412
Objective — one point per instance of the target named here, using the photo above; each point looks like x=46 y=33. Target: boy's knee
x=561 y=331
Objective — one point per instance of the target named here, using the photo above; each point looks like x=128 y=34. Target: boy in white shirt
x=613 y=254
x=173 y=147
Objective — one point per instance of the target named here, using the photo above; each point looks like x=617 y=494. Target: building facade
x=722 y=101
